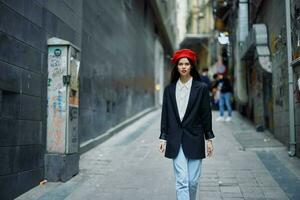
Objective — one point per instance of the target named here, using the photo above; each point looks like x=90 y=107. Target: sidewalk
x=245 y=165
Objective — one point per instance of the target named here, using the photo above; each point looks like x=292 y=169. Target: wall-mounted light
x=223 y=38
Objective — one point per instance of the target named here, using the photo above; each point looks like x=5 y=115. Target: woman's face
x=184 y=67
x=220 y=76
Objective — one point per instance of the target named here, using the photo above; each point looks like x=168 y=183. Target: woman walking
x=186 y=123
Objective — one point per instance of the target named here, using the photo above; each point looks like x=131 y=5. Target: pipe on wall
x=292 y=146
x=242 y=33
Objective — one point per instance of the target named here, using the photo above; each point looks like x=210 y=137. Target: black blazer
x=195 y=126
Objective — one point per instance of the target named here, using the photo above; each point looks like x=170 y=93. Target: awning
x=194 y=39
x=256 y=44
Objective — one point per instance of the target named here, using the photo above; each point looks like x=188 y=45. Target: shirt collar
x=186 y=85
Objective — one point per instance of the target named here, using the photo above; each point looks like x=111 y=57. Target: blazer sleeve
x=163 y=123
x=206 y=114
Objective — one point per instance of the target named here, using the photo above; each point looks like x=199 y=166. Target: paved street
x=246 y=165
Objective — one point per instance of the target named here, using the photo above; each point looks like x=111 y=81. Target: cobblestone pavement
x=128 y=166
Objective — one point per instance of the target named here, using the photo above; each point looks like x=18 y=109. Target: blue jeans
x=225 y=98
x=187 y=173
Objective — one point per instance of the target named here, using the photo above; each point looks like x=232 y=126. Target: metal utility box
x=62 y=159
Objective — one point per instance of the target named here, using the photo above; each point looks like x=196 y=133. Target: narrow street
x=245 y=165
x=81 y=83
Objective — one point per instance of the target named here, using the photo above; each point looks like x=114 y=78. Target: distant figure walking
x=224 y=86
x=186 y=123
x=215 y=93
x=204 y=77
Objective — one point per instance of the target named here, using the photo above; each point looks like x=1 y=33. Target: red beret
x=184 y=53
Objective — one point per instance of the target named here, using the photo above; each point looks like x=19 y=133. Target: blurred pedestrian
x=215 y=92
x=225 y=88
x=204 y=77
x=186 y=124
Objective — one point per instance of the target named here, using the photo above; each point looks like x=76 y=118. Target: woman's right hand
x=162 y=146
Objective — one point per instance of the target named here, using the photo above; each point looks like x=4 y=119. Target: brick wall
x=25 y=26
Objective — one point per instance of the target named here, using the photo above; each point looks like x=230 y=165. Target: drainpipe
x=292 y=149
x=242 y=32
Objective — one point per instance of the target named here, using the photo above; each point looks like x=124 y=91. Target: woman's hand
x=162 y=146
x=209 y=148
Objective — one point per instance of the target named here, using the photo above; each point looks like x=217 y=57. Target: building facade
x=199 y=34
x=258 y=36
x=124 y=50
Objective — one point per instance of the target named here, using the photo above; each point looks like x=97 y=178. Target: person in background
x=204 y=77
x=225 y=88
x=215 y=93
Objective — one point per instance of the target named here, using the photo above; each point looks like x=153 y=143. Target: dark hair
x=205 y=69
x=175 y=74
x=215 y=76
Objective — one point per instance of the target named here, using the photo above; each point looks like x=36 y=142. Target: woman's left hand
x=209 y=148
x=162 y=146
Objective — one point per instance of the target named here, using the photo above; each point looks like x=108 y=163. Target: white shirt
x=182 y=96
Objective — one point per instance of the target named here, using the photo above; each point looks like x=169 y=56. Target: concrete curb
x=88 y=145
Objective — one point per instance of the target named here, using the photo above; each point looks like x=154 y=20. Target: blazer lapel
x=173 y=98
x=192 y=98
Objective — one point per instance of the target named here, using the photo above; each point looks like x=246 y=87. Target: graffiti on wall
x=57 y=68
x=74 y=82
